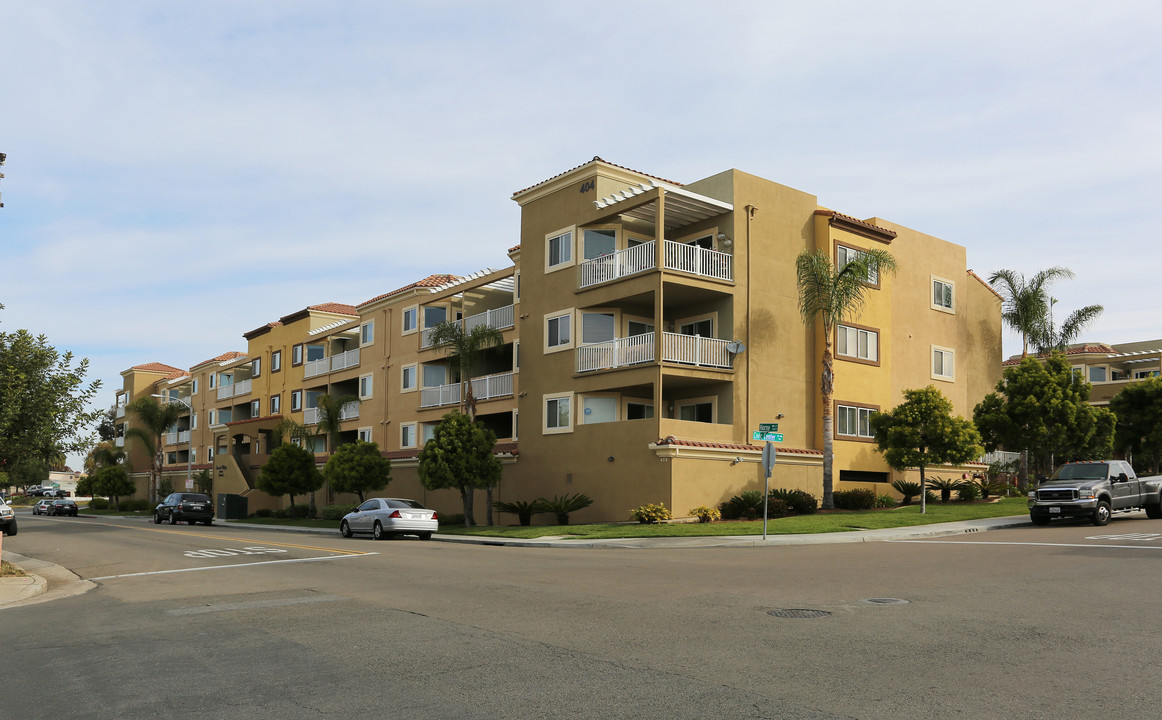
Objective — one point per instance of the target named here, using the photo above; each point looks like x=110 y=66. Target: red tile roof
x=158 y=368
x=232 y=355
x=429 y=281
x=513 y=249
x=856 y=221
x=596 y=159
x=682 y=442
x=505 y=448
x=337 y=308
x=982 y=282
x=1082 y=349
x=260 y=330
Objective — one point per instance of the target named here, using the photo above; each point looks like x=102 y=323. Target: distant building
x=1110 y=368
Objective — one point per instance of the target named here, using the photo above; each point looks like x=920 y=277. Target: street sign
x=768 y=427
x=767 y=436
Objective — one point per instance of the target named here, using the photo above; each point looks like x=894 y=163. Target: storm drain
x=886 y=601
x=798 y=613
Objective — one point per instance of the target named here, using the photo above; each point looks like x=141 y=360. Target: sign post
x=769 y=456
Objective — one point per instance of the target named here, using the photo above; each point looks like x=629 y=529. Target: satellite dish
x=735 y=347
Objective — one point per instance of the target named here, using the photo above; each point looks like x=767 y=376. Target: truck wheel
x=1154 y=512
x=1101 y=514
x=1039 y=519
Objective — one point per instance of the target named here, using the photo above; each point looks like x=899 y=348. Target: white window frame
x=370 y=386
x=256 y=408
x=276 y=403
x=276 y=361
x=687 y=402
x=546 y=428
x=213 y=379
x=367 y=333
x=256 y=367
x=296 y=400
x=516 y=287
x=515 y=423
x=194 y=420
x=549 y=317
x=403 y=374
x=873 y=276
x=626 y=402
x=569 y=242
x=847 y=335
x=617 y=416
x=213 y=417
x=364 y=434
x=404 y=429
x=412 y=312
x=194 y=387
x=695 y=319
x=862 y=413
x=951 y=307
x=948 y=357
x=516 y=356
x=297 y=355
x=210 y=453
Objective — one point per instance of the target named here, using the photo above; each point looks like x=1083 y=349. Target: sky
x=181 y=173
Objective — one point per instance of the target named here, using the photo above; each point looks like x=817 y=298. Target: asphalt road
x=227 y=622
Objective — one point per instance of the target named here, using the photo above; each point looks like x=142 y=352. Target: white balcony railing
x=616 y=353
x=120 y=411
x=500 y=318
x=440 y=395
x=345 y=360
x=311 y=368
x=311 y=416
x=242 y=387
x=225 y=391
x=699 y=261
x=617 y=265
x=181 y=436
x=350 y=411
x=119 y=442
x=492 y=386
x=695 y=350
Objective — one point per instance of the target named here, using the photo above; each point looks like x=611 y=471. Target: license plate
x=1054 y=510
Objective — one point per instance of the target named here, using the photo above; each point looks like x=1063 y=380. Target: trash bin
x=231 y=507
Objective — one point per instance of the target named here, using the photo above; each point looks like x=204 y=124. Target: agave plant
x=946 y=486
x=908 y=489
x=562 y=505
x=748 y=504
x=988 y=486
x=523 y=509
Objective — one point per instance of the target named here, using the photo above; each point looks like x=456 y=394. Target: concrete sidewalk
x=35 y=587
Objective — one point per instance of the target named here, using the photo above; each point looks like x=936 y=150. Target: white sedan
x=384 y=517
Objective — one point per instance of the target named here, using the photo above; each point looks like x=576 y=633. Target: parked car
x=7 y=518
x=63 y=507
x=191 y=507
x=384 y=517
x=41 y=507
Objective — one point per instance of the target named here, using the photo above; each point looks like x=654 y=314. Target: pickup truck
x=1095 y=490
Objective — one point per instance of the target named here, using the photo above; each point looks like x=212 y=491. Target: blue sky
x=179 y=174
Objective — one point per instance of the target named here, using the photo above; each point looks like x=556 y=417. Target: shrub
x=137 y=505
x=523 y=509
x=799 y=502
x=705 y=514
x=988 y=486
x=562 y=505
x=650 y=514
x=946 y=486
x=885 y=501
x=334 y=512
x=748 y=504
x=262 y=513
x=967 y=492
x=777 y=507
x=295 y=511
x=859 y=499
x=457 y=519
x=908 y=489
x=98 y=504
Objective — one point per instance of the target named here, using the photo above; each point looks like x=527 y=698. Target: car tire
x=209 y=522
x=1101 y=514
x=173 y=519
x=377 y=531
x=11 y=529
x=1039 y=519
x=425 y=536
x=345 y=529
x=156 y=518
x=1154 y=512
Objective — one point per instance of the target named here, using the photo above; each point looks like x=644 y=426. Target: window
x=316 y=352
x=434 y=315
x=599 y=242
x=515 y=423
x=213 y=377
x=1097 y=373
x=942 y=294
x=409 y=319
x=598 y=409
x=558 y=250
x=296 y=400
x=209 y=453
x=193 y=455
x=276 y=361
x=703 y=327
x=516 y=287
x=194 y=387
x=597 y=327
x=638 y=410
x=365 y=386
x=256 y=367
x=697 y=410
x=855 y=342
x=435 y=375
x=255 y=408
x=364 y=434
x=558 y=413
x=943 y=363
x=853 y=421
x=429 y=430
x=297 y=355
x=557 y=333
x=844 y=255
x=213 y=417
x=194 y=420
x=171 y=458
x=367 y=333
x=407 y=435
x=407 y=381
x=275 y=404
x=516 y=355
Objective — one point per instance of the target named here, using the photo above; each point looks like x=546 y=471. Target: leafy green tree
x=103 y=454
x=1050 y=337
x=114 y=482
x=1025 y=305
x=204 y=482
x=86 y=485
x=1139 y=431
x=921 y=432
x=289 y=471
x=468 y=351
x=358 y=467
x=107 y=426
x=154 y=419
x=43 y=401
x=1041 y=410
x=829 y=295
x=27 y=473
x=460 y=455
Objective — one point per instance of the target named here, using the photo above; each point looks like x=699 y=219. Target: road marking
x=1142 y=537
x=1038 y=544
x=229 y=552
x=235 y=565
x=224 y=607
x=231 y=539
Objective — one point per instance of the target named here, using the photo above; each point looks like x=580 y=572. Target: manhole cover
x=798 y=613
x=886 y=601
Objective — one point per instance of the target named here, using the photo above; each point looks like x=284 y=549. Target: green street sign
x=768 y=427
x=767 y=436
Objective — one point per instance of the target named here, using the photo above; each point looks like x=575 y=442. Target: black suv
x=63 y=507
x=191 y=507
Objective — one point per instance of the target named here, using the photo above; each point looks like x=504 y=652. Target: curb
x=19 y=589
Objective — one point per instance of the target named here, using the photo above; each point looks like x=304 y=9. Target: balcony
x=120 y=411
x=350 y=411
x=483 y=388
x=182 y=436
x=119 y=441
x=242 y=387
x=679 y=256
x=322 y=366
x=638 y=349
x=501 y=318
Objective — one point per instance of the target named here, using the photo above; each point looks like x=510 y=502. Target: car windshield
x=195 y=498
x=396 y=503
x=1082 y=471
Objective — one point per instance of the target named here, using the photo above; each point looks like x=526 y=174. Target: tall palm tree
x=1026 y=302
x=830 y=295
x=154 y=419
x=467 y=350
x=1050 y=338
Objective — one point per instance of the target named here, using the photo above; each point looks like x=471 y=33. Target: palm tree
x=467 y=350
x=832 y=295
x=154 y=419
x=1050 y=338
x=1026 y=302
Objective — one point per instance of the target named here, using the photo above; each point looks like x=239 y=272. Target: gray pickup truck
x=1095 y=490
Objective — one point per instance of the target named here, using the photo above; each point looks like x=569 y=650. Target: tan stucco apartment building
x=650 y=327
